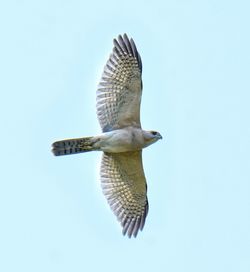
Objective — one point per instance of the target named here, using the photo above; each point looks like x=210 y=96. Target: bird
x=118 y=100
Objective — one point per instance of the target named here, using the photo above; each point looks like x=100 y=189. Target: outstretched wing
x=119 y=92
x=124 y=185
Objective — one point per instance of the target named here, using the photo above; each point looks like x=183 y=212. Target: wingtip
x=124 y=45
x=125 y=36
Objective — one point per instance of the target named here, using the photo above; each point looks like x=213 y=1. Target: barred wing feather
x=124 y=185
x=120 y=89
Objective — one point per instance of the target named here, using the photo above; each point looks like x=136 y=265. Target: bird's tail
x=73 y=146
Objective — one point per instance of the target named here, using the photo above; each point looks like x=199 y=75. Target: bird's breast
x=122 y=140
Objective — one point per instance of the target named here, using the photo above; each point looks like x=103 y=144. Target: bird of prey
x=122 y=138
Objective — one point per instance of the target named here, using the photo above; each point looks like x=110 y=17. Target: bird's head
x=151 y=137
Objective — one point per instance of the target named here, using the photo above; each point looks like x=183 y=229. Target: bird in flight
x=122 y=139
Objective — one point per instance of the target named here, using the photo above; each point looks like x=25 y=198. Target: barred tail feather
x=73 y=146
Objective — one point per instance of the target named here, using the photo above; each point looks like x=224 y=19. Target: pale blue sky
x=196 y=68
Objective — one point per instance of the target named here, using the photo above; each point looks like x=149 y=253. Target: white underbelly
x=122 y=140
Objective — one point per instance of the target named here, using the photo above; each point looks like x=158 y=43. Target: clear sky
x=196 y=70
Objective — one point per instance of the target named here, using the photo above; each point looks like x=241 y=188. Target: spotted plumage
x=122 y=139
